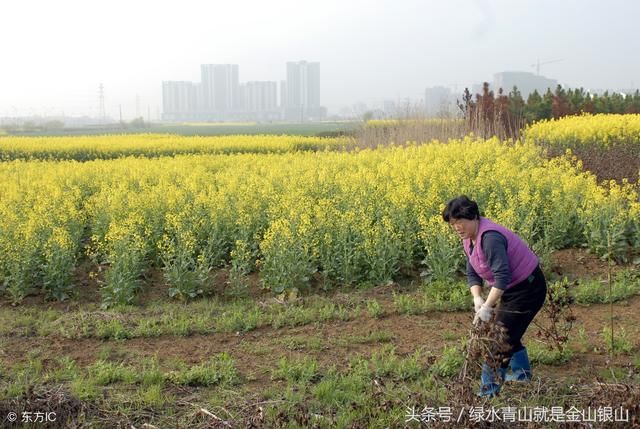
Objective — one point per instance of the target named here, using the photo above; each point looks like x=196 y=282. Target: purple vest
x=522 y=260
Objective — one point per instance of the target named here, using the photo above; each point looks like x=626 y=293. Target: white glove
x=477 y=302
x=483 y=314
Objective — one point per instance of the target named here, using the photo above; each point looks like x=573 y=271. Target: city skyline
x=61 y=52
x=220 y=96
x=388 y=107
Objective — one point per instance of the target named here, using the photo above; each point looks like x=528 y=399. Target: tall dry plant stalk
x=485 y=116
x=558 y=318
x=609 y=263
x=412 y=126
x=489 y=115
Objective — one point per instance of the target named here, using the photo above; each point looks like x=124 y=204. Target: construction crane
x=538 y=64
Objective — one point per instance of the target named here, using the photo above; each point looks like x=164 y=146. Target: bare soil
x=256 y=353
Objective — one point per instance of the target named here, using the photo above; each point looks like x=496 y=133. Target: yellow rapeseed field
x=82 y=148
x=602 y=130
x=343 y=217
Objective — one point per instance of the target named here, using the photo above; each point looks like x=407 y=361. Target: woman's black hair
x=461 y=208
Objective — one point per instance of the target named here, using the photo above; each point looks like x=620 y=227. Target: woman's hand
x=477 y=302
x=483 y=314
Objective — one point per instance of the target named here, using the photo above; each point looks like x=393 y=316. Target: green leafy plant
x=621 y=342
x=449 y=363
x=374 y=309
x=220 y=370
x=303 y=370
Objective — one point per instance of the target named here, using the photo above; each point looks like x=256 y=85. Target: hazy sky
x=54 y=54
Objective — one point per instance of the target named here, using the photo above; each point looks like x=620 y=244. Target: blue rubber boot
x=490 y=380
x=520 y=367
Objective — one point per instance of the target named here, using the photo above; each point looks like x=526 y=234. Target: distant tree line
x=504 y=115
x=58 y=127
x=32 y=126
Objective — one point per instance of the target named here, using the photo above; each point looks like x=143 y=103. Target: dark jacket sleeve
x=494 y=247
x=472 y=277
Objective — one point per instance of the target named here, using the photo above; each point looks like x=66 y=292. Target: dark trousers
x=518 y=306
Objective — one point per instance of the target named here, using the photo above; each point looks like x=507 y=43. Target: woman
x=502 y=259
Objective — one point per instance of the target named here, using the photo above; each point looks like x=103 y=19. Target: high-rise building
x=260 y=96
x=220 y=89
x=179 y=100
x=283 y=94
x=259 y=101
x=200 y=109
x=219 y=96
x=303 y=91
